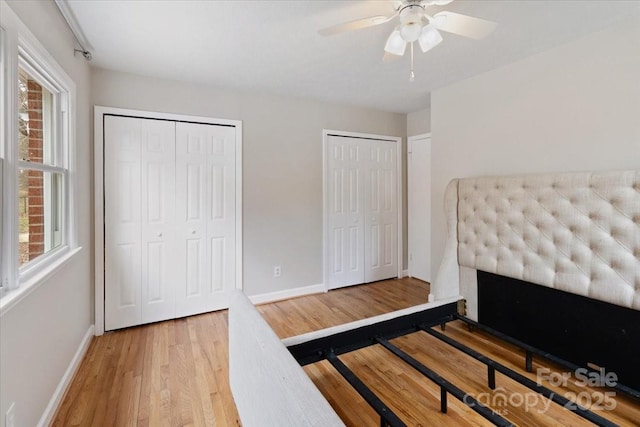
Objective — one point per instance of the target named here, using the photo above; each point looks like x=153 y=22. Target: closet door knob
x=193 y=231
x=160 y=234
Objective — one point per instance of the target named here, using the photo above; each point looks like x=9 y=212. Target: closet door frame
x=326 y=133
x=98 y=157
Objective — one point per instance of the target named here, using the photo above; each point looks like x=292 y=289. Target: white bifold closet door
x=362 y=216
x=205 y=196
x=169 y=219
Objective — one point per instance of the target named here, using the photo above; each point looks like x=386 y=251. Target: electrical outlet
x=10 y=417
x=277 y=271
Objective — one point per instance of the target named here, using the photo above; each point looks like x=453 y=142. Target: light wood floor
x=175 y=373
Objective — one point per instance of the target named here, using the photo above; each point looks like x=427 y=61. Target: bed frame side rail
x=269 y=387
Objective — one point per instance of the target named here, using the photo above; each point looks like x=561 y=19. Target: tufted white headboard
x=577 y=232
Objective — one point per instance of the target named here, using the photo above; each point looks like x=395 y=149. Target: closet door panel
x=158 y=220
x=191 y=200
x=122 y=222
x=345 y=236
x=381 y=221
x=221 y=213
x=205 y=166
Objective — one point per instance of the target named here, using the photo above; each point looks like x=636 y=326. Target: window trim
x=59 y=162
x=17 y=41
x=3 y=137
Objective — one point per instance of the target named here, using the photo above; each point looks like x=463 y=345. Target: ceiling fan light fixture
x=411 y=22
x=429 y=38
x=395 y=44
x=410 y=31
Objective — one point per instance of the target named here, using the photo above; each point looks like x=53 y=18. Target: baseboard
x=56 y=399
x=404 y=273
x=286 y=294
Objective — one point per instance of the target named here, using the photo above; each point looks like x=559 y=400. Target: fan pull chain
x=412 y=75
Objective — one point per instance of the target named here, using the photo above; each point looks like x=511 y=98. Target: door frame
x=325 y=194
x=410 y=141
x=98 y=195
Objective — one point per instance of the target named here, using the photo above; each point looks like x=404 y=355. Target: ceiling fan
x=417 y=24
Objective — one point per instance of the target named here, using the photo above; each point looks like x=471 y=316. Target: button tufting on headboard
x=575 y=232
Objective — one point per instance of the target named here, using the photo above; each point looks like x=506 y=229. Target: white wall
x=573 y=108
x=419 y=122
x=39 y=336
x=282 y=164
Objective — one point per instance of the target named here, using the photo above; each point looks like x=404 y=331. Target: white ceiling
x=274 y=47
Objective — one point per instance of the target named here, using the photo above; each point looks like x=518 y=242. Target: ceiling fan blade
x=438 y=2
x=355 y=25
x=390 y=57
x=463 y=25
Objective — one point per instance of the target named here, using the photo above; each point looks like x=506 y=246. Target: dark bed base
x=380 y=333
x=583 y=331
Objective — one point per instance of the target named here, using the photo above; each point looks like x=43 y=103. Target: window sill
x=14 y=296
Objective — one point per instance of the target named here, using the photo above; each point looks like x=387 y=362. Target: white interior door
x=157 y=183
x=205 y=196
x=221 y=220
x=139 y=221
x=345 y=212
x=419 y=206
x=123 y=237
x=361 y=210
x=380 y=212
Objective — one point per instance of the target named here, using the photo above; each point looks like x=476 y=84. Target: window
x=41 y=171
x=36 y=159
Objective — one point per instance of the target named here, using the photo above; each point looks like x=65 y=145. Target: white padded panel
x=579 y=233
x=268 y=385
x=446 y=284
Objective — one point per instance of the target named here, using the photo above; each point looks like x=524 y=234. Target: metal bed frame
x=332 y=346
